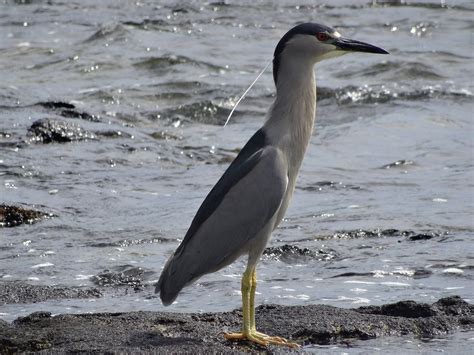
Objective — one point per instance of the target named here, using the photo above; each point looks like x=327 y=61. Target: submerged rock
x=12 y=216
x=161 y=332
x=408 y=235
x=57 y=105
x=402 y=163
x=57 y=131
x=126 y=275
x=68 y=110
x=291 y=254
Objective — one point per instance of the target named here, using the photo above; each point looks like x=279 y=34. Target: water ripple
x=393 y=69
x=377 y=94
x=165 y=62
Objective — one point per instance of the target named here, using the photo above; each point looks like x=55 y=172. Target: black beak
x=347 y=44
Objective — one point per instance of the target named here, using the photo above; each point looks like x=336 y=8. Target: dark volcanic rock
x=454 y=306
x=12 y=216
x=202 y=333
x=20 y=292
x=408 y=309
x=57 y=131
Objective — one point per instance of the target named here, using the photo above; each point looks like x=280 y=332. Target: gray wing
x=257 y=187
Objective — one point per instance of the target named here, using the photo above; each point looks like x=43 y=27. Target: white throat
x=291 y=117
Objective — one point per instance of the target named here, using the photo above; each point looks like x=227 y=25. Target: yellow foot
x=260 y=338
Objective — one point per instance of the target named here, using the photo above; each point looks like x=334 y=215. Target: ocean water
x=383 y=209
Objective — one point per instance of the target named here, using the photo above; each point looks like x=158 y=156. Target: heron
x=248 y=202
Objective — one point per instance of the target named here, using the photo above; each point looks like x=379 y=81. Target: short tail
x=174 y=277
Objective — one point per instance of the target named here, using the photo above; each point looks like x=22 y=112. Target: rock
x=68 y=110
x=407 y=235
x=57 y=131
x=454 y=305
x=289 y=253
x=292 y=254
x=12 y=216
x=402 y=163
x=161 y=332
x=408 y=309
x=126 y=275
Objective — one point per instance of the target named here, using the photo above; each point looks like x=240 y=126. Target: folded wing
x=241 y=204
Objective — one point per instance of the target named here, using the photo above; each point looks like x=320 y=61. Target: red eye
x=322 y=36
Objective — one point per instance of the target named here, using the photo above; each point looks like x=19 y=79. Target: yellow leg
x=253 y=287
x=249 y=331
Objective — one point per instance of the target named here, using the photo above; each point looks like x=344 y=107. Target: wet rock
x=449 y=306
x=416 y=274
x=421 y=236
x=20 y=292
x=57 y=131
x=13 y=216
x=148 y=24
x=398 y=164
x=383 y=233
x=293 y=254
x=57 y=105
x=289 y=253
x=323 y=93
x=422 y=273
x=69 y=113
x=454 y=305
x=68 y=110
x=202 y=333
x=363 y=234
x=125 y=275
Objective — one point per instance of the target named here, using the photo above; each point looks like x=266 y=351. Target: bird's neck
x=290 y=120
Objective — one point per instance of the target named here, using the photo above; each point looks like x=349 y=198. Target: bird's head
x=313 y=42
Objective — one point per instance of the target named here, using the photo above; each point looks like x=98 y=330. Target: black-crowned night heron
x=250 y=199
